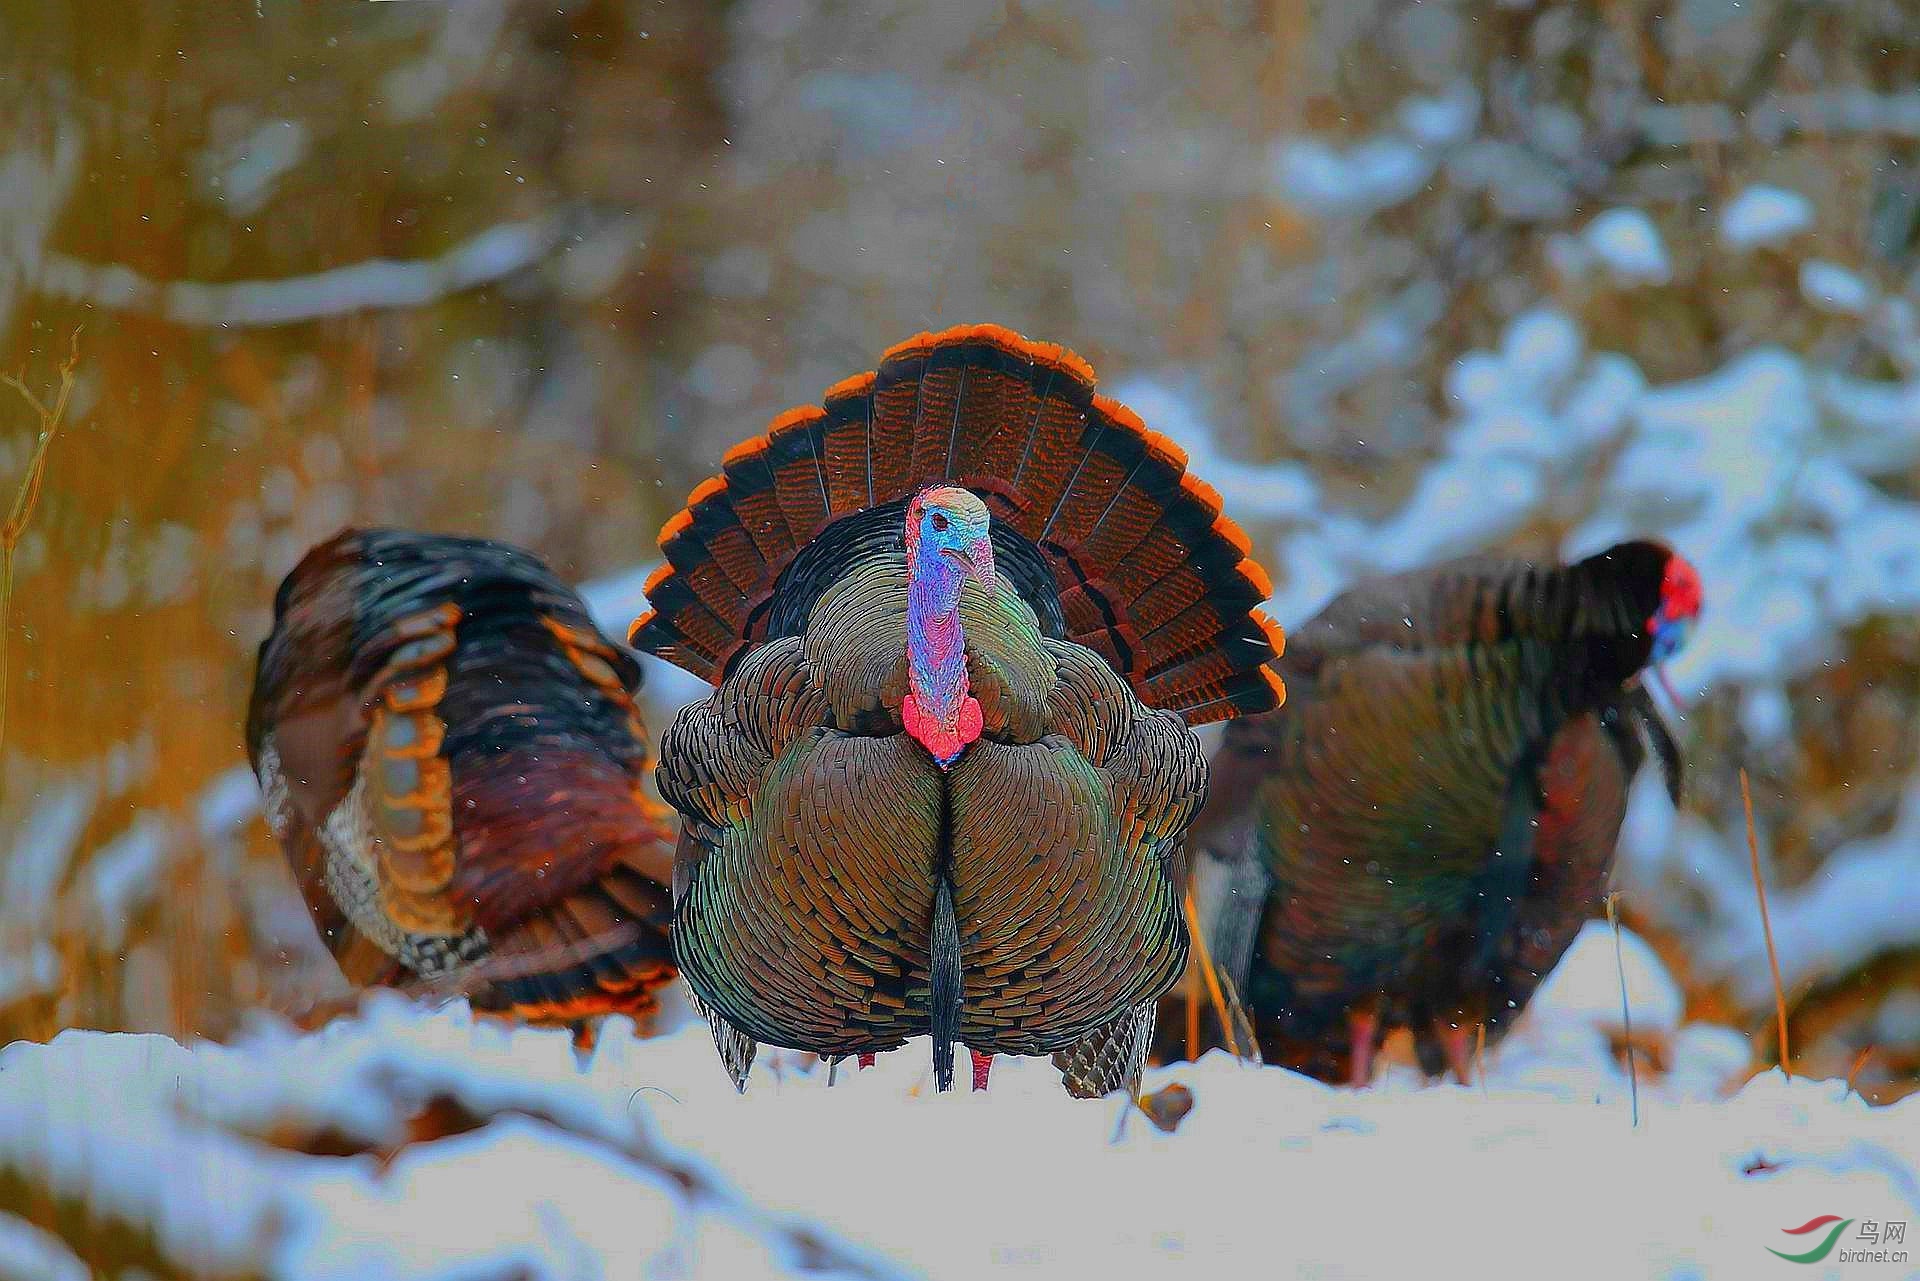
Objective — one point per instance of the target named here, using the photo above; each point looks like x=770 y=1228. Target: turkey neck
x=936 y=644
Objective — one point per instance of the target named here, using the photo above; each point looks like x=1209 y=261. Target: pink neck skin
x=938 y=712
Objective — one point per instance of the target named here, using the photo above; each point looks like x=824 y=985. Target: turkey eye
x=939 y=521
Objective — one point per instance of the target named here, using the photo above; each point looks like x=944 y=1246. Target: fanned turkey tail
x=1147 y=569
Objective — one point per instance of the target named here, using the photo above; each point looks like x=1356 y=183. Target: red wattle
x=970 y=719
x=942 y=743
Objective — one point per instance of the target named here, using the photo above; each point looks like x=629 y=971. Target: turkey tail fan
x=1147 y=569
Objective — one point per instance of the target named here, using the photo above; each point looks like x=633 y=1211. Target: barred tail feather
x=602 y=950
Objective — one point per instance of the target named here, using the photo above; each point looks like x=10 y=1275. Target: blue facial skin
x=1669 y=634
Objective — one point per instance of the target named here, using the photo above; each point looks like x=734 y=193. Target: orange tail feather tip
x=1135 y=539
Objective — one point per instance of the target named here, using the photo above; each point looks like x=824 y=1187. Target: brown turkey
x=1416 y=837
x=960 y=618
x=452 y=760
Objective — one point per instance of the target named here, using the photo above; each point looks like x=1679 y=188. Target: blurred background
x=1406 y=279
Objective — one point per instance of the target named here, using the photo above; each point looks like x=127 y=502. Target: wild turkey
x=451 y=758
x=960 y=619
x=1416 y=837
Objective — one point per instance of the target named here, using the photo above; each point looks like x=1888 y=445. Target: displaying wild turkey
x=1416 y=837
x=452 y=758
x=960 y=619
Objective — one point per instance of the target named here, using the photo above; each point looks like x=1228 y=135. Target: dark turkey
x=959 y=620
x=452 y=760
x=1416 y=837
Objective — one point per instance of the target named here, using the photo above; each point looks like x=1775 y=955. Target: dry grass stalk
x=1193 y=993
x=1853 y=1073
x=29 y=495
x=1203 y=959
x=1766 y=925
x=1626 y=1008
x=1480 y=1056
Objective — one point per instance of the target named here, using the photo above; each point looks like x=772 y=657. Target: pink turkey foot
x=1362 y=1025
x=866 y=1061
x=1457 y=1043
x=982 y=1064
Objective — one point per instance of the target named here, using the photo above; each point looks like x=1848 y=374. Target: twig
x=1781 y=33
x=1626 y=1008
x=27 y=497
x=1766 y=925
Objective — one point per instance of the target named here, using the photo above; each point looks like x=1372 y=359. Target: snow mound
x=1762 y=215
x=401 y=1143
x=1831 y=287
x=1629 y=244
x=410 y=1143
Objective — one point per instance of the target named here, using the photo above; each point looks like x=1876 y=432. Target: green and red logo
x=1820 y=1251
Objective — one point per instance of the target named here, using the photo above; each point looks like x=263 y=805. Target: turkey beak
x=980 y=562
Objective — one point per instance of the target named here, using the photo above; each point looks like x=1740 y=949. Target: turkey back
x=453 y=759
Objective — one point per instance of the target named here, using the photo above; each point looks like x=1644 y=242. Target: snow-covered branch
x=377 y=284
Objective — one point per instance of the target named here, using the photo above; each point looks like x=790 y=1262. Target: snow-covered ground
x=411 y=1143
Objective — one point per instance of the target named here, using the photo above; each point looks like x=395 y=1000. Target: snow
x=201 y=1145
x=39 y=850
x=597 y=1215
x=1585 y=987
x=1763 y=216
x=1831 y=287
x=641 y=1161
x=29 y=1254
x=1380 y=172
x=1629 y=244
x=37 y=854
x=1444 y=118
x=1375 y=174
x=124 y=872
x=27 y=972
